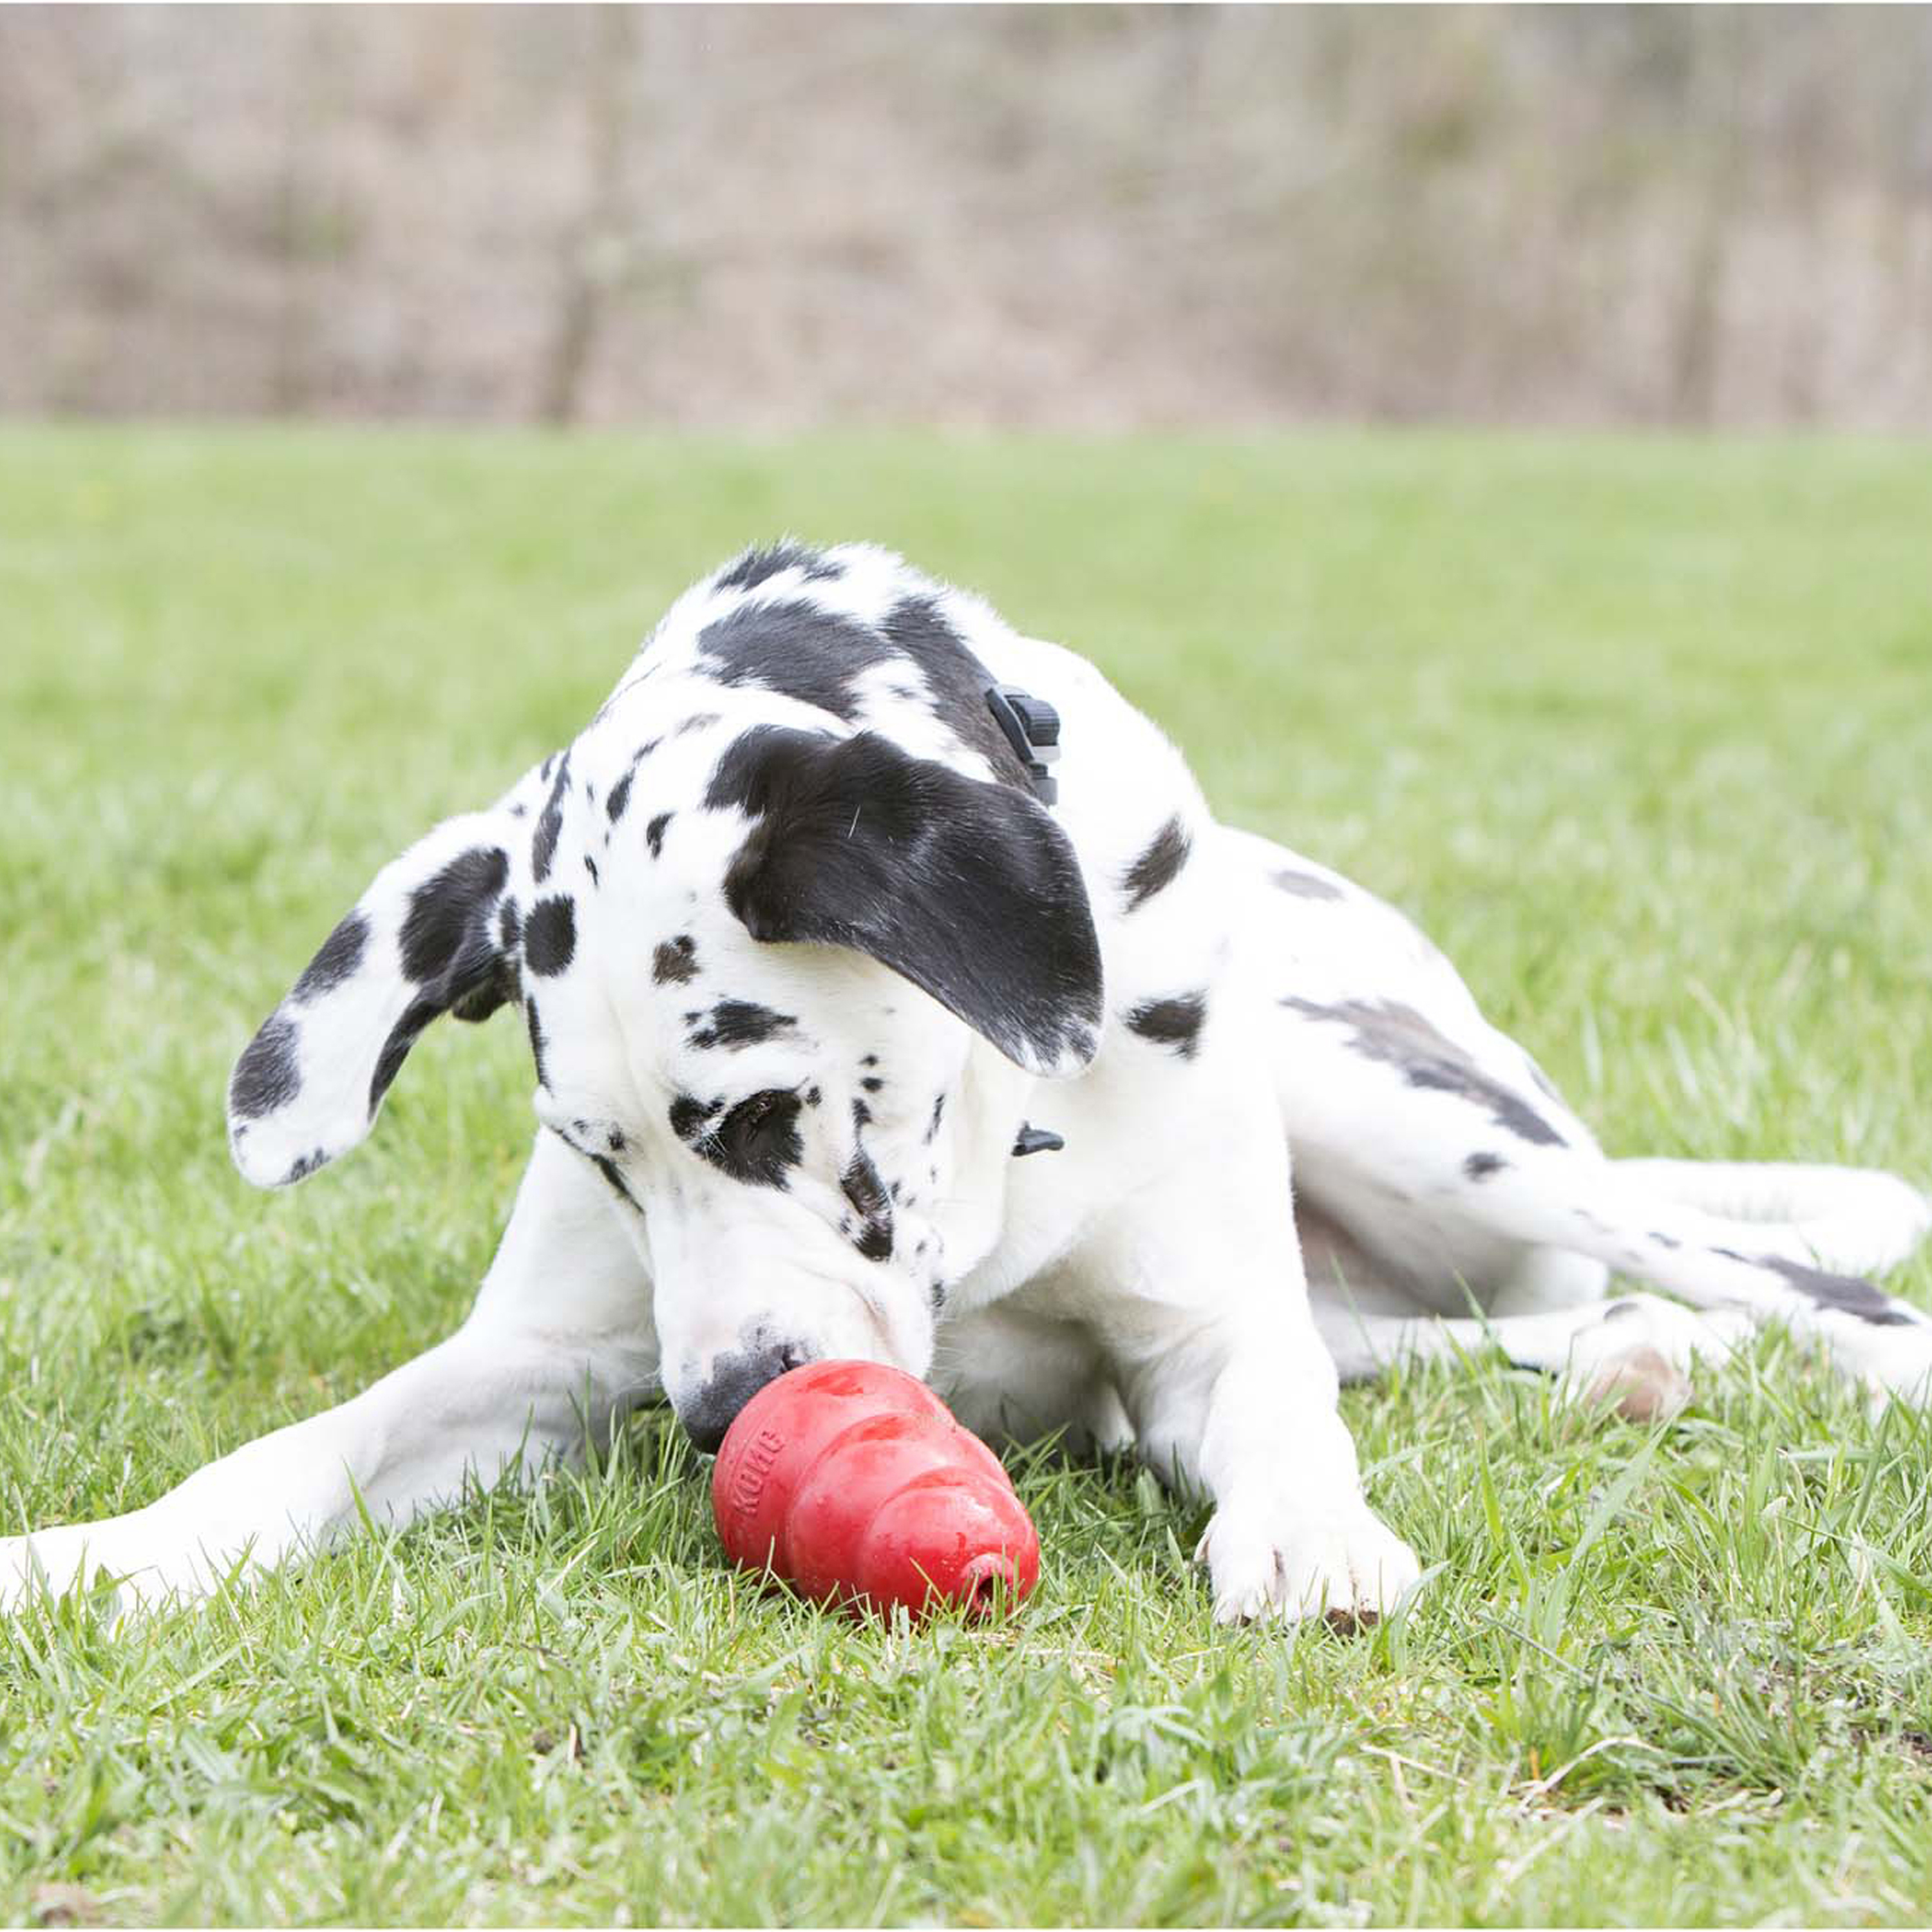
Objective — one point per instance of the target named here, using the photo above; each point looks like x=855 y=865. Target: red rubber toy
x=853 y=1483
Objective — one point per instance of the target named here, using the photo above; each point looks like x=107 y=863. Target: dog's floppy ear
x=968 y=889
x=435 y=933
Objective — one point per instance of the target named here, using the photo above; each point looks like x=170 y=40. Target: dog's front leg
x=1205 y=1318
x=559 y=1345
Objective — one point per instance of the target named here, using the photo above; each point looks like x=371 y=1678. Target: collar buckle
x=1032 y=727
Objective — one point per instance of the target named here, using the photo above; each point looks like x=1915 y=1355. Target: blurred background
x=1082 y=218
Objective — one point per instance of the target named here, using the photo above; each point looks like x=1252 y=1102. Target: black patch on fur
x=861 y=1186
x=795 y=649
x=300 y=1168
x=535 y=1028
x=938 y=1115
x=688 y=1115
x=654 y=833
x=765 y=560
x=340 y=954
x=958 y=681
x=620 y=796
x=1481 y=1166
x=1159 y=866
x=862 y=1114
x=1664 y=1241
x=443 y=922
x=1847 y=1294
x=266 y=1076
x=1174 y=1023
x=549 y=936
x=509 y=925
x=675 y=962
x=1398 y=1036
x=1306 y=885
x=736 y=1024
x=967 y=889
x=613 y=1176
x=590 y=866
x=549 y=823
x=614 y=1139
x=872 y=1084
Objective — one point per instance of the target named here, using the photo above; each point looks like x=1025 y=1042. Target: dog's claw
x=1348 y=1574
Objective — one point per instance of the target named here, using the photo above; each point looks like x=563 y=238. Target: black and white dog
x=857 y=1033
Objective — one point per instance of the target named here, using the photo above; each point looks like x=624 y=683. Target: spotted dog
x=862 y=1028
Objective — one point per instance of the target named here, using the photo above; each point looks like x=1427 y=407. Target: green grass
x=1642 y=730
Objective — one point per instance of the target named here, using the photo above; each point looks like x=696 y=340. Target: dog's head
x=784 y=982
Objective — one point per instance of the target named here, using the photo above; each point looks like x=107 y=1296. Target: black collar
x=1032 y=727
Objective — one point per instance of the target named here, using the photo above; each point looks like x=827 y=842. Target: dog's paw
x=48 y=1563
x=1350 y=1570
x=1637 y=1359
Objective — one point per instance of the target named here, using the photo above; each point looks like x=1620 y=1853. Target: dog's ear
x=435 y=933
x=968 y=889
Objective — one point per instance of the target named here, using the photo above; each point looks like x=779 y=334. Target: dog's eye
x=752 y=1122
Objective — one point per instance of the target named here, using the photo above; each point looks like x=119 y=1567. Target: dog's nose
x=735 y=1378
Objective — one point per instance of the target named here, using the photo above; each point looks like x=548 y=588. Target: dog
x=891 y=992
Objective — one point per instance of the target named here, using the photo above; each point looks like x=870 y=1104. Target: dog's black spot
x=535 y=1027
x=872 y=1083
x=1174 y=1023
x=868 y=1060
x=590 y=866
x=916 y=628
x=688 y=1115
x=1664 y=1241
x=340 y=954
x=620 y=796
x=549 y=823
x=1157 y=868
x=861 y=1186
x=654 y=833
x=613 y=1177
x=938 y=1115
x=1300 y=885
x=300 y=1168
x=614 y=1139
x=266 y=1076
x=741 y=1023
x=813 y=1097
x=509 y=925
x=549 y=935
x=675 y=961
x=444 y=916
x=1398 y=1036
x=1481 y=1166
x=767 y=560
x=862 y=1114
x=1848 y=1294
x=794 y=648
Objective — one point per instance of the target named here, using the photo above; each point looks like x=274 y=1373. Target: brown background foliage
x=1087 y=217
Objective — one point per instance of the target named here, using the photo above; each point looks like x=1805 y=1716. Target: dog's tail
x=1779 y=1253
x=1853 y=1220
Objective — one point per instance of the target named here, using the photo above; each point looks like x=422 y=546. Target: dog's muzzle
x=735 y=1378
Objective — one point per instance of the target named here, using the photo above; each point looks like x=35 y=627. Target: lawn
x=1641 y=730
